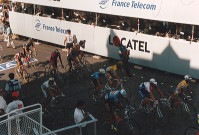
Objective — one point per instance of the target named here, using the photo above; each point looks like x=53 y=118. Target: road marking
x=11 y=64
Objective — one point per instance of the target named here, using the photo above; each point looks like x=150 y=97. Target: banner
x=171 y=55
x=177 y=11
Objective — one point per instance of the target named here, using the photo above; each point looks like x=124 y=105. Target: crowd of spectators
x=151 y=27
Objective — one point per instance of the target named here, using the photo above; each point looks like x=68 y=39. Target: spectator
x=8 y=36
x=80 y=116
x=16 y=104
x=11 y=86
x=68 y=41
x=3 y=104
x=1 y=30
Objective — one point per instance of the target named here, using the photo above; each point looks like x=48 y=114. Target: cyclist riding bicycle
x=72 y=58
x=19 y=57
x=124 y=56
x=49 y=89
x=179 y=91
x=53 y=58
x=26 y=47
x=145 y=90
x=113 y=100
x=78 y=52
x=95 y=79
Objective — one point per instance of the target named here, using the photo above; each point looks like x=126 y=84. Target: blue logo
x=37 y=25
x=103 y=4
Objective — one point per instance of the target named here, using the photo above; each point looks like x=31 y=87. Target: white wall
x=176 y=56
x=181 y=11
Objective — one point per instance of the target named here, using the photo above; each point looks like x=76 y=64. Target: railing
x=93 y=120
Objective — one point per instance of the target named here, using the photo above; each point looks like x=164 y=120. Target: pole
x=138 y=25
x=192 y=33
x=96 y=19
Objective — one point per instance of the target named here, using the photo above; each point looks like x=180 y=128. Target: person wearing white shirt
x=8 y=36
x=16 y=104
x=3 y=104
x=68 y=41
x=81 y=116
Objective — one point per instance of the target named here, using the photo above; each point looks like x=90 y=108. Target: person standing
x=68 y=41
x=81 y=116
x=15 y=104
x=8 y=36
x=11 y=86
x=3 y=104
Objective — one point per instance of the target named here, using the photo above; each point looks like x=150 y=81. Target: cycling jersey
x=182 y=85
x=114 y=67
x=28 y=45
x=17 y=57
x=145 y=89
x=97 y=75
x=54 y=56
x=113 y=96
x=123 y=52
x=45 y=86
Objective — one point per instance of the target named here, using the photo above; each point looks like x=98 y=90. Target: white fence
x=16 y=123
x=171 y=55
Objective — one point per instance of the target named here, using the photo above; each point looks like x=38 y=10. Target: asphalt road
x=62 y=115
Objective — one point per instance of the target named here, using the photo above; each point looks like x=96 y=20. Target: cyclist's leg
x=144 y=96
x=46 y=96
x=54 y=66
x=95 y=84
x=173 y=99
x=126 y=67
x=109 y=109
x=69 y=59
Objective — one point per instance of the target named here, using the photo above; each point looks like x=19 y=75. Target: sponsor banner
x=178 y=11
x=175 y=56
x=11 y=64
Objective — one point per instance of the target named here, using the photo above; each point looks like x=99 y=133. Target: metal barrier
x=22 y=121
x=93 y=120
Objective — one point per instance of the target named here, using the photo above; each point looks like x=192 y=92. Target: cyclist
x=26 y=47
x=95 y=79
x=53 y=58
x=179 y=91
x=19 y=57
x=145 y=90
x=113 y=100
x=124 y=56
x=72 y=58
x=79 y=53
x=68 y=41
x=49 y=89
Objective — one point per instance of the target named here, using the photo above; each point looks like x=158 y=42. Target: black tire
x=161 y=120
x=191 y=113
x=19 y=75
x=192 y=131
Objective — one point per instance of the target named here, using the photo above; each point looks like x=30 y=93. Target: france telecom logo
x=37 y=25
x=103 y=4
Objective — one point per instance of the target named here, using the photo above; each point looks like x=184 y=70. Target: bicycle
x=49 y=72
x=187 y=108
x=124 y=122
x=22 y=73
x=159 y=110
x=76 y=72
x=31 y=60
x=191 y=131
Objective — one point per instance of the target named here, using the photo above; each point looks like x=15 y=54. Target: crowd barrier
x=167 y=54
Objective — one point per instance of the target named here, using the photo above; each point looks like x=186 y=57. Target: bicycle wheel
x=17 y=71
x=133 y=127
x=60 y=77
x=189 y=111
x=161 y=117
x=26 y=76
x=88 y=67
x=192 y=131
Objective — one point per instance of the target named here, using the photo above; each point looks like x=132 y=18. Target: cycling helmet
x=107 y=69
x=56 y=50
x=101 y=70
x=152 y=80
x=51 y=79
x=187 y=77
x=123 y=92
x=30 y=39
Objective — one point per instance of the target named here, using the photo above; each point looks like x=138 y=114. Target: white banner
x=179 y=11
x=175 y=56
